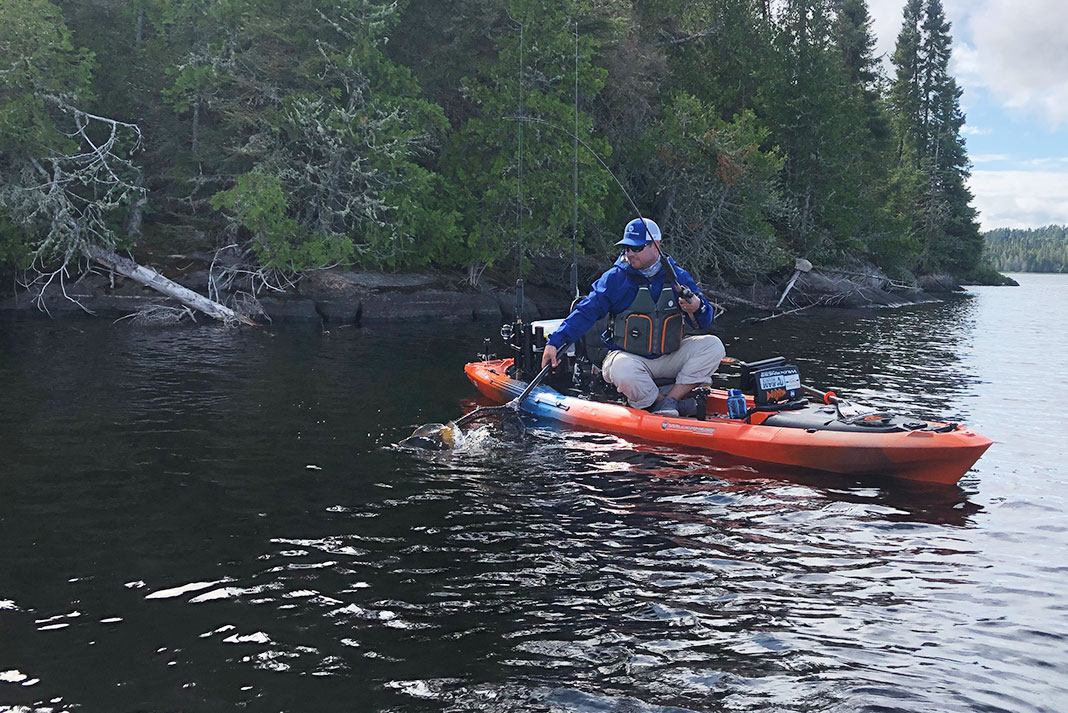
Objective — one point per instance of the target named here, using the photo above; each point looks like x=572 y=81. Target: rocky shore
x=339 y=297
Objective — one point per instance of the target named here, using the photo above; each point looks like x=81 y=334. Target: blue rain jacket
x=613 y=292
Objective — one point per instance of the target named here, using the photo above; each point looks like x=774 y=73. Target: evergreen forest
x=464 y=134
x=1038 y=250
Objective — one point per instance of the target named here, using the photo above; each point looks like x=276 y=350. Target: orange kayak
x=816 y=436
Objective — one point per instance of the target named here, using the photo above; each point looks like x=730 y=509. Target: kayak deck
x=925 y=454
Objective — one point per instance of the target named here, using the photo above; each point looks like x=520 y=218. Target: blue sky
x=1011 y=59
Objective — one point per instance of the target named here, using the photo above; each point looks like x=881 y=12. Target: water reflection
x=914 y=359
x=676 y=580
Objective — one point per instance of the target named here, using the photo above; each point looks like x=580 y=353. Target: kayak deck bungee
x=816 y=436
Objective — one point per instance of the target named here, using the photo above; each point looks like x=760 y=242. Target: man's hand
x=549 y=355
x=689 y=306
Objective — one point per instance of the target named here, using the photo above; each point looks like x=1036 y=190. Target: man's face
x=643 y=257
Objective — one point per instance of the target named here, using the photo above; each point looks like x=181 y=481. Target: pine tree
x=819 y=123
x=932 y=163
x=511 y=165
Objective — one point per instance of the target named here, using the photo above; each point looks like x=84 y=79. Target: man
x=644 y=337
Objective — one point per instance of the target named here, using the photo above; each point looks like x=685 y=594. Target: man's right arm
x=592 y=307
x=549 y=355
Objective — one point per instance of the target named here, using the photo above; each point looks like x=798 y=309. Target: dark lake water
x=204 y=519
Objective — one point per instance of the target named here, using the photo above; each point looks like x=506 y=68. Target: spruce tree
x=818 y=121
x=852 y=34
x=511 y=165
x=932 y=167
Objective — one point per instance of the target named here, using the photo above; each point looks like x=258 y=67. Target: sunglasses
x=635 y=248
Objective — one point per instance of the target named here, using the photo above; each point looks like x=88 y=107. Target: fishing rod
x=683 y=291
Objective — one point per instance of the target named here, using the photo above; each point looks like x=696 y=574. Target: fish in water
x=434 y=437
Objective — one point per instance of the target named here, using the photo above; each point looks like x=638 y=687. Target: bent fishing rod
x=682 y=290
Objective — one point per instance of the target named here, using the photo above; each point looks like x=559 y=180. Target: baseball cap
x=640 y=231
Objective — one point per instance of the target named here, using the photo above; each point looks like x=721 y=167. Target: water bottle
x=736 y=404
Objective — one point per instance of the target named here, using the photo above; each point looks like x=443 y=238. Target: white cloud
x=1020 y=199
x=886 y=18
x=1015 y=50
x=1019 y=54
x=1047 y=161
x=974 y=131
x=989 y=157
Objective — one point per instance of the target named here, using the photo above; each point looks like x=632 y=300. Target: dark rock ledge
x=338 y=297
x=331 y=297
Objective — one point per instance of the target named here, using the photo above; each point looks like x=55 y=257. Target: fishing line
x=574 y=199
x=519 y=216
x=684 y=291
x=536 y=120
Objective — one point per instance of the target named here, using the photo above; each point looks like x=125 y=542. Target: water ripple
x=175 y=552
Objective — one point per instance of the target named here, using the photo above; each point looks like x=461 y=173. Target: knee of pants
x=713 y=347
x=629 y=374
x=704 y=355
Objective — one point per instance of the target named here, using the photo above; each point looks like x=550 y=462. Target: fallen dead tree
x=150 y=278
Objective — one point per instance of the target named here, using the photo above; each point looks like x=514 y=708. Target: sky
x=1011 y=59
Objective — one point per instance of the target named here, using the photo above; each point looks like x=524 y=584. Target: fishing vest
x=649 y=328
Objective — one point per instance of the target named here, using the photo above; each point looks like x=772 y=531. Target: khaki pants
x=694 y=363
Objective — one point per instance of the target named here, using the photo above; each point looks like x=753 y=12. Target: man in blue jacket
x=644 y=335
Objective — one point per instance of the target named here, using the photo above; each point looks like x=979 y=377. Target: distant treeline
x=393 y=134
x=1038 y=250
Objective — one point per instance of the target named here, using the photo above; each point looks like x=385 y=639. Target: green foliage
x=259 y=203
x=47 y=70
x=535 y=65
x=717 y=50
x=443 y=43
x=386 y=134
x=819 y=115
x=14 y=244
x=721 y=189
x=987 y=275
x=191 y=82
x=306 y=96
x=65 y=174
x=1038 y=250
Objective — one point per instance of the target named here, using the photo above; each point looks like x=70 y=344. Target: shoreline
x=345 y=297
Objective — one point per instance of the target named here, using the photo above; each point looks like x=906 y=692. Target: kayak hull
x=922 y=455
